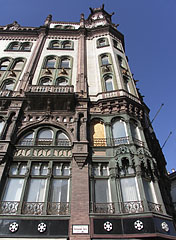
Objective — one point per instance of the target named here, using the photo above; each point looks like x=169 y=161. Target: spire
x=48 y=20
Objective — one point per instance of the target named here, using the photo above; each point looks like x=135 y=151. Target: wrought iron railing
x=155 y=207
x=44 y=141
x=103 y=208
x=99 y=142
x=9 y=207
x=138 y=142
x=132 y=207
x=26 y=142
x=58 y=208
x=120 y=140
x=52 y=89
x=33 y=208
x=63 y=142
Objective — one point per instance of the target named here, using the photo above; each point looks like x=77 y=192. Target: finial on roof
x=48 y=20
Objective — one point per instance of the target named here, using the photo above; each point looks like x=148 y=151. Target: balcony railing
x=103 y=208
x=52 y=89
x=44 y=142
x=130 y=207
x=34 y=208
x=102 y=142
x=154 y=207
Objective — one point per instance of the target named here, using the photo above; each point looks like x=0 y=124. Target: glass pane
x=65 y=63
x=148 y=191
x=35 y=169
x=134 y=131
x=102 y=42
x=61 y=82
x=23 y=169
x=14 y=169
x=101 y=191
x=96 y=171
x=55 y=45
x=67 y=45
x=45 y=133
x=57 y=170
x=59 y=190
x=118 y=129
x=8 y=85
x=105 y=60
x=129 y=190
x=104 y=171
x=66 y=170
x=45 y=81
x=51 y=63
x=36 y=192
x=44 y=169
x=26 y=46
x=14 y=46
x=13 y=189
x=18 y=65
x=108 y=83
x=1 y=126
x=27 y=140
x=4 y=65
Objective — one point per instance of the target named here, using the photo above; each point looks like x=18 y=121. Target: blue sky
x=150 y=40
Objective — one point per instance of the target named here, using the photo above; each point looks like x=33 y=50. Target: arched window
x=26 y=46
x=51 y=62
x=18 y=65
x=65 y=63
x=58 y=26
x=61 y=81
x=119 y=132
x=4 y=64
x=122 y=62
x=14 y=46
x=27 y=140
x=45 y=137
x=62 y=139
x=105 y=60
x=55 y=44
x=108 y=83
x=101 y=42
x=8 y=85
x=45 y=81
x=125 y=80
x=67 y=44
x=69 y=27
x=97 y=133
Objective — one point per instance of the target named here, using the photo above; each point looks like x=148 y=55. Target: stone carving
x=12 y=26
x=108 y=226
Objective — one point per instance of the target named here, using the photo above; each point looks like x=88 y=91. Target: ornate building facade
x=79 y=158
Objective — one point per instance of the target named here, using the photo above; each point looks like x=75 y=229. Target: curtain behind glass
x=129 y=190
x=101 y=191
x=118 y=129
x=37 y=189
x=13 y=189
x=59 y=189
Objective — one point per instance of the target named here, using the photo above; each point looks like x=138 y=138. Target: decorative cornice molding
x=25 y=38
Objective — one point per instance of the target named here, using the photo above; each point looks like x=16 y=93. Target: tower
x=79 y=157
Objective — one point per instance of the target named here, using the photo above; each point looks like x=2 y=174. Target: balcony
x=34 y=208
x=131 y=207
x=112 y=142
x=50 y=89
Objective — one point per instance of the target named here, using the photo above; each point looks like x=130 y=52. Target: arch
x=61 y=81
x=55 y=44
x=105 y=59
x=67 y=44
x=69 y=27
x=119 y=132
x=97 y=132
x=134 y=129
x=62 y=139
x=44 y=136
x=18 y=64
x=50 y=62
x=101 y=42
x=4 y=63
x=45 y=81
x=27 y=140
x=14 y=46
x=26 y=46
x=58 y=26
x=8 y=84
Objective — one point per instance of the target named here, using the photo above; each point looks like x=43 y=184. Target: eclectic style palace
x=79 y=158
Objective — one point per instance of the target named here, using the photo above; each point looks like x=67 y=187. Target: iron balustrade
x=63 y=142
x=9 y=207
x=155 y=207
x=138 y=142
x=107 y=208
x=99 y=142
x=132 y=207
x=33 y=208
x=44 y=142
x=26 y=142
x=52 y=89
x=120 y=140
x=58 y=208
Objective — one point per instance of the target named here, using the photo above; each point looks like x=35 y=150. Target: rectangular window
x=13 y=189
x=129 y=189
x=59 y=190
x=102 y=194
x=37 y=190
